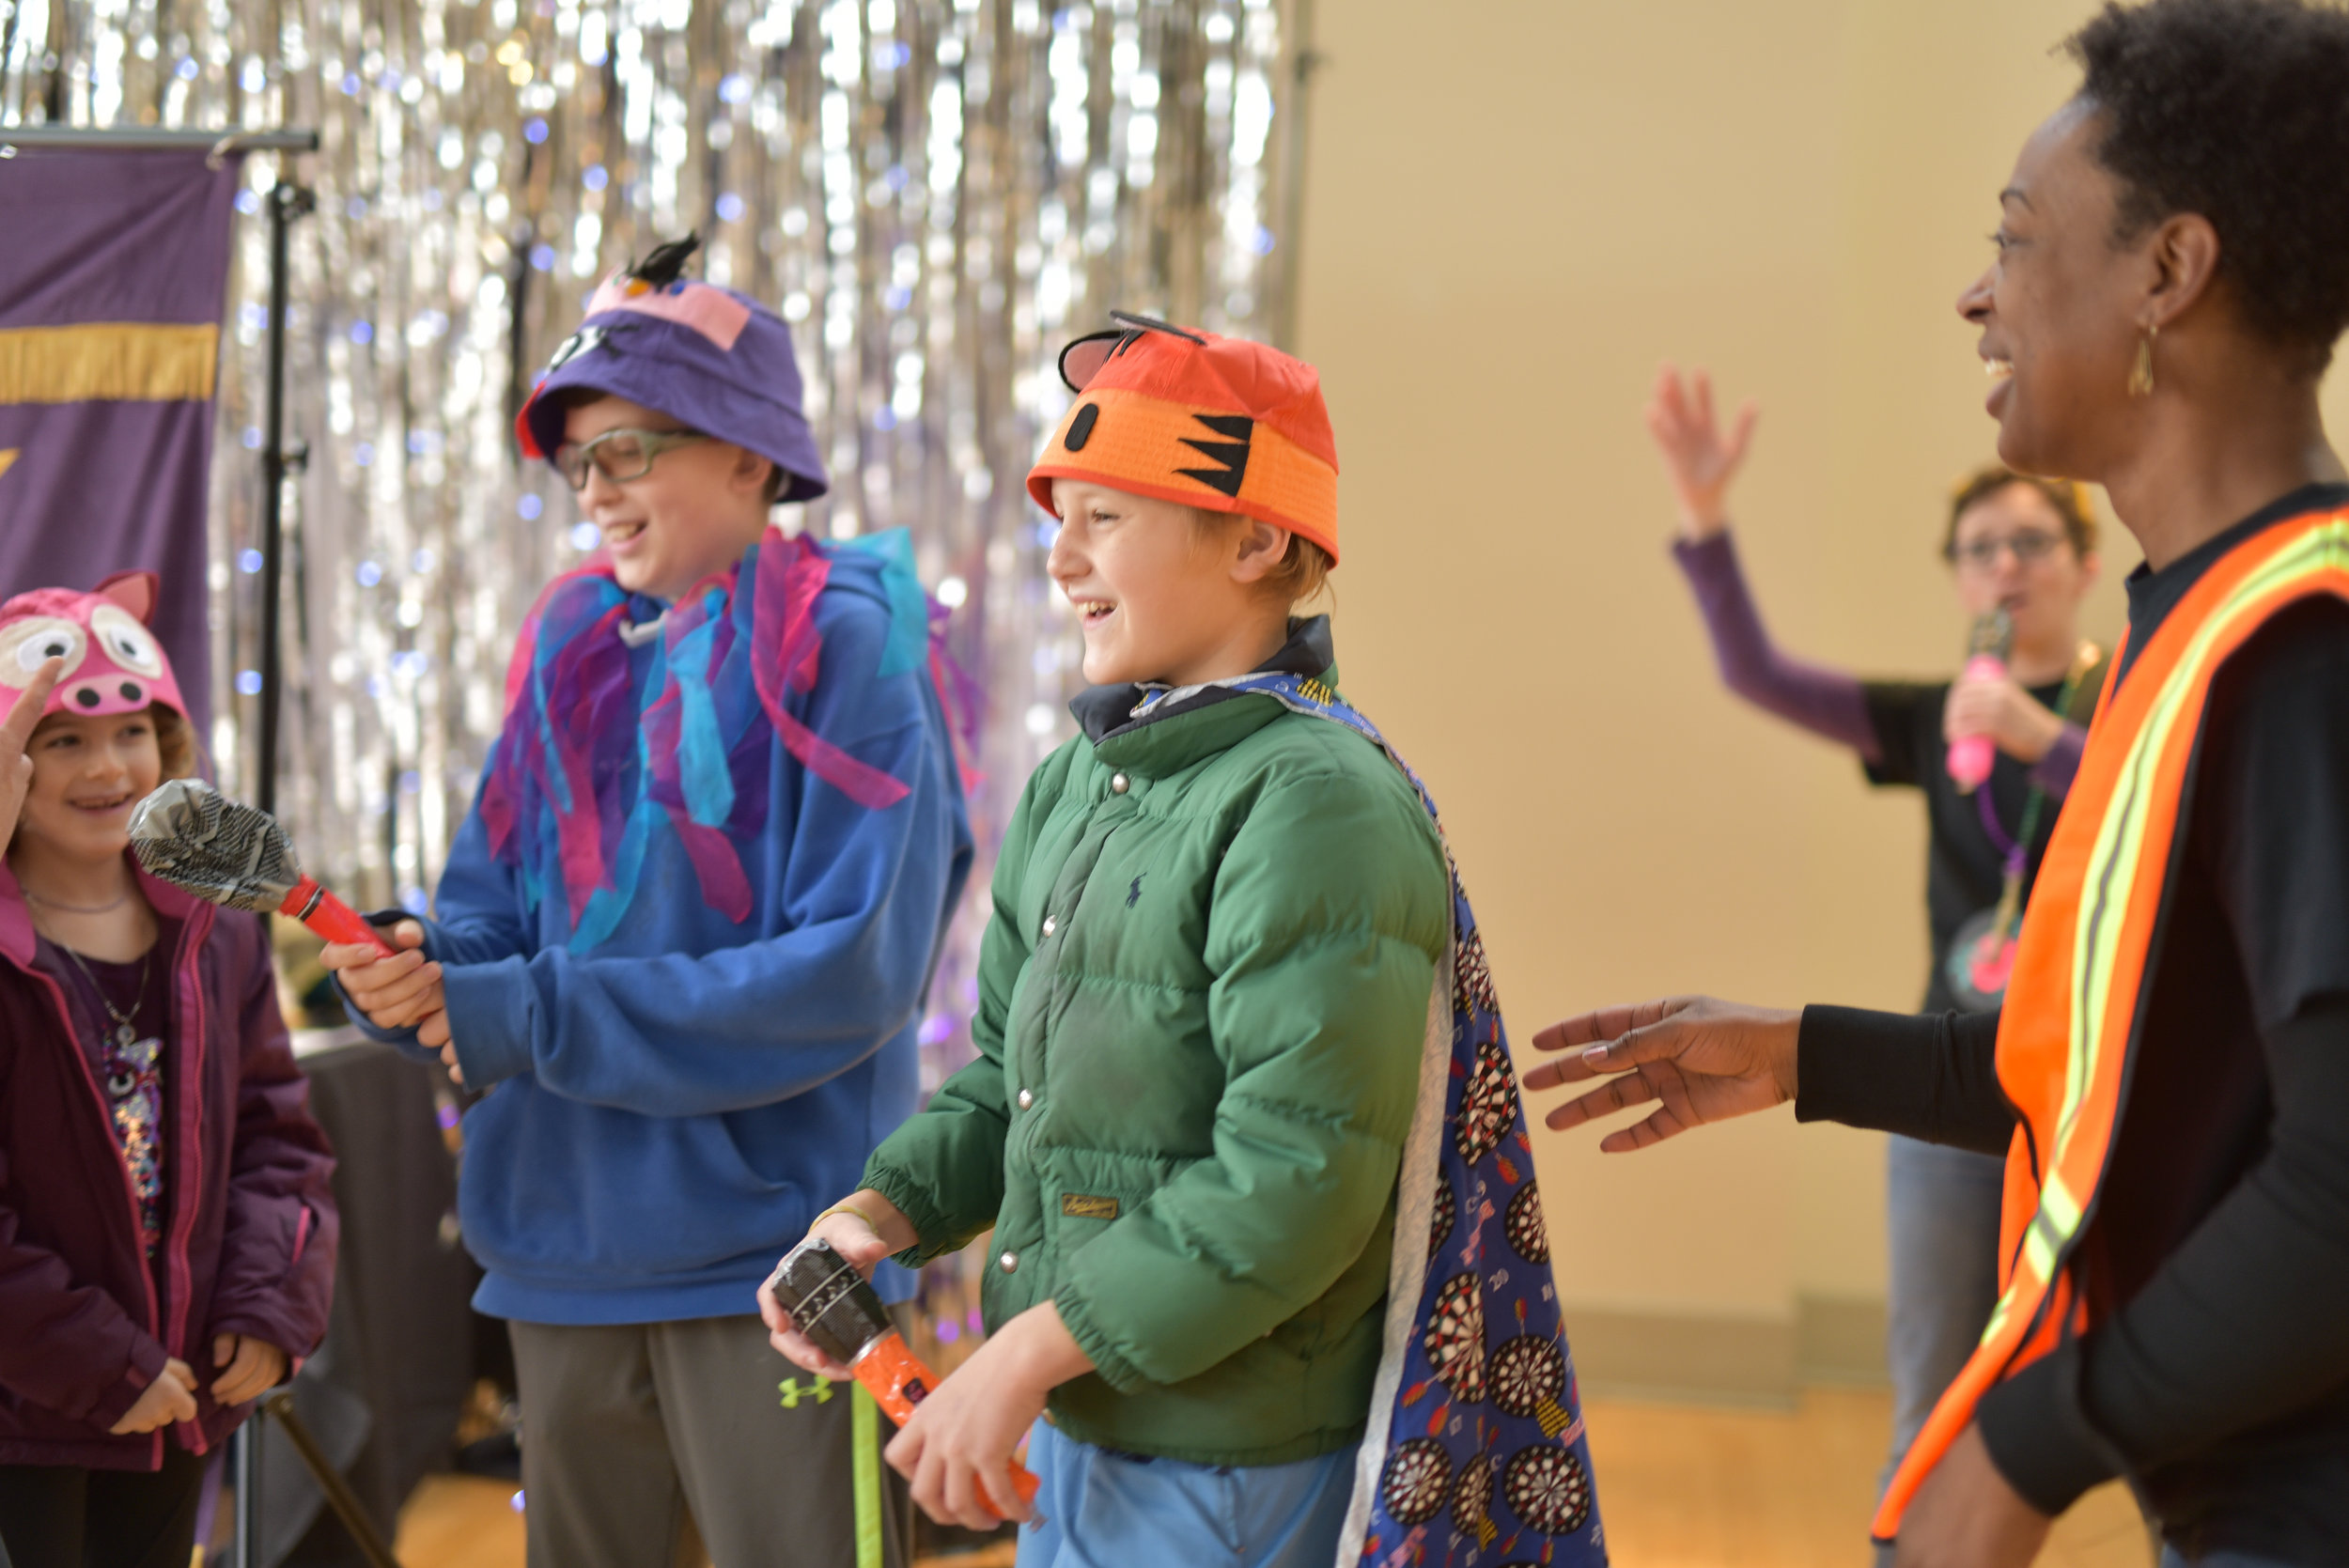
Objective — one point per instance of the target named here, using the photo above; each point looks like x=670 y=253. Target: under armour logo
x=1133 y=895
x=793 y=1393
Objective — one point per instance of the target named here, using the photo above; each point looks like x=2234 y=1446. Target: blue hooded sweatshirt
x=670 y=1107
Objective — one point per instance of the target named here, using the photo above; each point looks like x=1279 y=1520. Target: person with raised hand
x=2168 y=1077
x=2022 y=553
x=166 y=1228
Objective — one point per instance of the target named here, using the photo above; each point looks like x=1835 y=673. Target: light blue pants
x=1096 y=1509
x=1942 y=1210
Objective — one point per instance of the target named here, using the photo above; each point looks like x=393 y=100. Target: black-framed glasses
x=619 y=456
x=2029 y=545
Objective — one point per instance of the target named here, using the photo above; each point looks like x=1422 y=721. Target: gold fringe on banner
x=125 y=362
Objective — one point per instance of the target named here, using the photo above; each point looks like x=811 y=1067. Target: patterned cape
x=1475 y=1455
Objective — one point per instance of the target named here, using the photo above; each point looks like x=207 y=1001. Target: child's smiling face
x=87 y=773
x=690 y=515
x=1159 y=598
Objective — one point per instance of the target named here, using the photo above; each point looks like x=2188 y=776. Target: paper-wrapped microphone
x=224 y=852
x=836 y=1307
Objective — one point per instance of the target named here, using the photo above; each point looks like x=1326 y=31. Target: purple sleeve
x=1825 y=702
x=2054 y=773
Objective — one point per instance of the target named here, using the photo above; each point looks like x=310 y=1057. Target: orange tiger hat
x=1216 y=422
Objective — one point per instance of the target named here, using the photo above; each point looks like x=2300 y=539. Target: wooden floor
x=1680 y=1487
x=1685 y=1487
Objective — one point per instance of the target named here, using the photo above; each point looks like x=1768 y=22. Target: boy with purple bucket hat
x=682 y=940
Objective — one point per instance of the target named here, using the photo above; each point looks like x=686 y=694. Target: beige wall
x=1515 y=210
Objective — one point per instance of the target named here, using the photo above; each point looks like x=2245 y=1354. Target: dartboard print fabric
x=1475 y=1456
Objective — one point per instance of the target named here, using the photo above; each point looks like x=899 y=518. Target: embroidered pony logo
x=1133 y=895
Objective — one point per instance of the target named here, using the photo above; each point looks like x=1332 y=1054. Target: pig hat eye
x=126 y=642
x=27 y=645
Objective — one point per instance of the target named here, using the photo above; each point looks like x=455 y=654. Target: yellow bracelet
x=844 y=1207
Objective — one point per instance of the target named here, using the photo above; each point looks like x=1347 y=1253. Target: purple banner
x=112 y=280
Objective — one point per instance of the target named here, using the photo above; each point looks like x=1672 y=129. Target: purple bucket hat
x=718 y=361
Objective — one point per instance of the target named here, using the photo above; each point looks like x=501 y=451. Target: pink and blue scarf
x=586 y=772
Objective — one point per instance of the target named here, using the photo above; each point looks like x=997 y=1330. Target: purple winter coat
x=249 y=1231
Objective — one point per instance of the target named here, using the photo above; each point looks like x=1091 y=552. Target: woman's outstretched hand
x=1697 y=458
x=1697 y=1058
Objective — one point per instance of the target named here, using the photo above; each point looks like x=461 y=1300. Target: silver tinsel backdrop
x=935 y=192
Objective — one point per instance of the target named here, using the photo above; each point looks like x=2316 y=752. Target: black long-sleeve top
x=2218 y=1260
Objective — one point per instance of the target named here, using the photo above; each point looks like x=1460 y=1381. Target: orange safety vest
x=2075 y=1006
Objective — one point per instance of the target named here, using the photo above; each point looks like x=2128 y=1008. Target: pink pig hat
x=112 y=662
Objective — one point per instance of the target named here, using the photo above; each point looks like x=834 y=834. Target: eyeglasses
x=2029 y=545
x=619 y=456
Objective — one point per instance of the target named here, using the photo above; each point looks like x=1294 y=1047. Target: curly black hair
x=2238 y=109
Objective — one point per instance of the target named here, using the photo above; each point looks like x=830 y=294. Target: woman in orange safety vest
x=2169 y=1077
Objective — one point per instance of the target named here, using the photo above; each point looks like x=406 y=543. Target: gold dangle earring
x=2141 y=378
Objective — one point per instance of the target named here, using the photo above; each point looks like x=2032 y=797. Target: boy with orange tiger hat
x=1236 y=1037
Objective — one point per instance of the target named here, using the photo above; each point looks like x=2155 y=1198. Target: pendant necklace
x=126 y=1033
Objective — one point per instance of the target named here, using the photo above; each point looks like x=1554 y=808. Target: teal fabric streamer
x=702 y=769
x=909 y=646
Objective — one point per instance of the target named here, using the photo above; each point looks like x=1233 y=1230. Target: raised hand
x=1697 y=459
x=16 y=732
x=1697 y=1060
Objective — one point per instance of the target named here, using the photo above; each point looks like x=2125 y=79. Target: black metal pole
x=244 y=1467
x=1305 y=59
x=286 y=202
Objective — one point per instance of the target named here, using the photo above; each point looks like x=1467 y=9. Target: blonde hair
x=1303 y=573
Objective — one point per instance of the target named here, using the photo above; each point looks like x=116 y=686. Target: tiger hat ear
x=135 y=591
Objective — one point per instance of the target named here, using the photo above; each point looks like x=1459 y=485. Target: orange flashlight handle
x=898 y=1381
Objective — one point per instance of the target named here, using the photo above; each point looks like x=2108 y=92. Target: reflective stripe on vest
x=2069 y=1028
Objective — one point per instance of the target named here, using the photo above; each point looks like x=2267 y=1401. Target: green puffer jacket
x=1202 y=1002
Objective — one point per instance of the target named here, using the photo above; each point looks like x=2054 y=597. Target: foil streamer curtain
x=935 y=192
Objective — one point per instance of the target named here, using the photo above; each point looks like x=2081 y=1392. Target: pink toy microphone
x=1970 y=755
x=224 y=852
